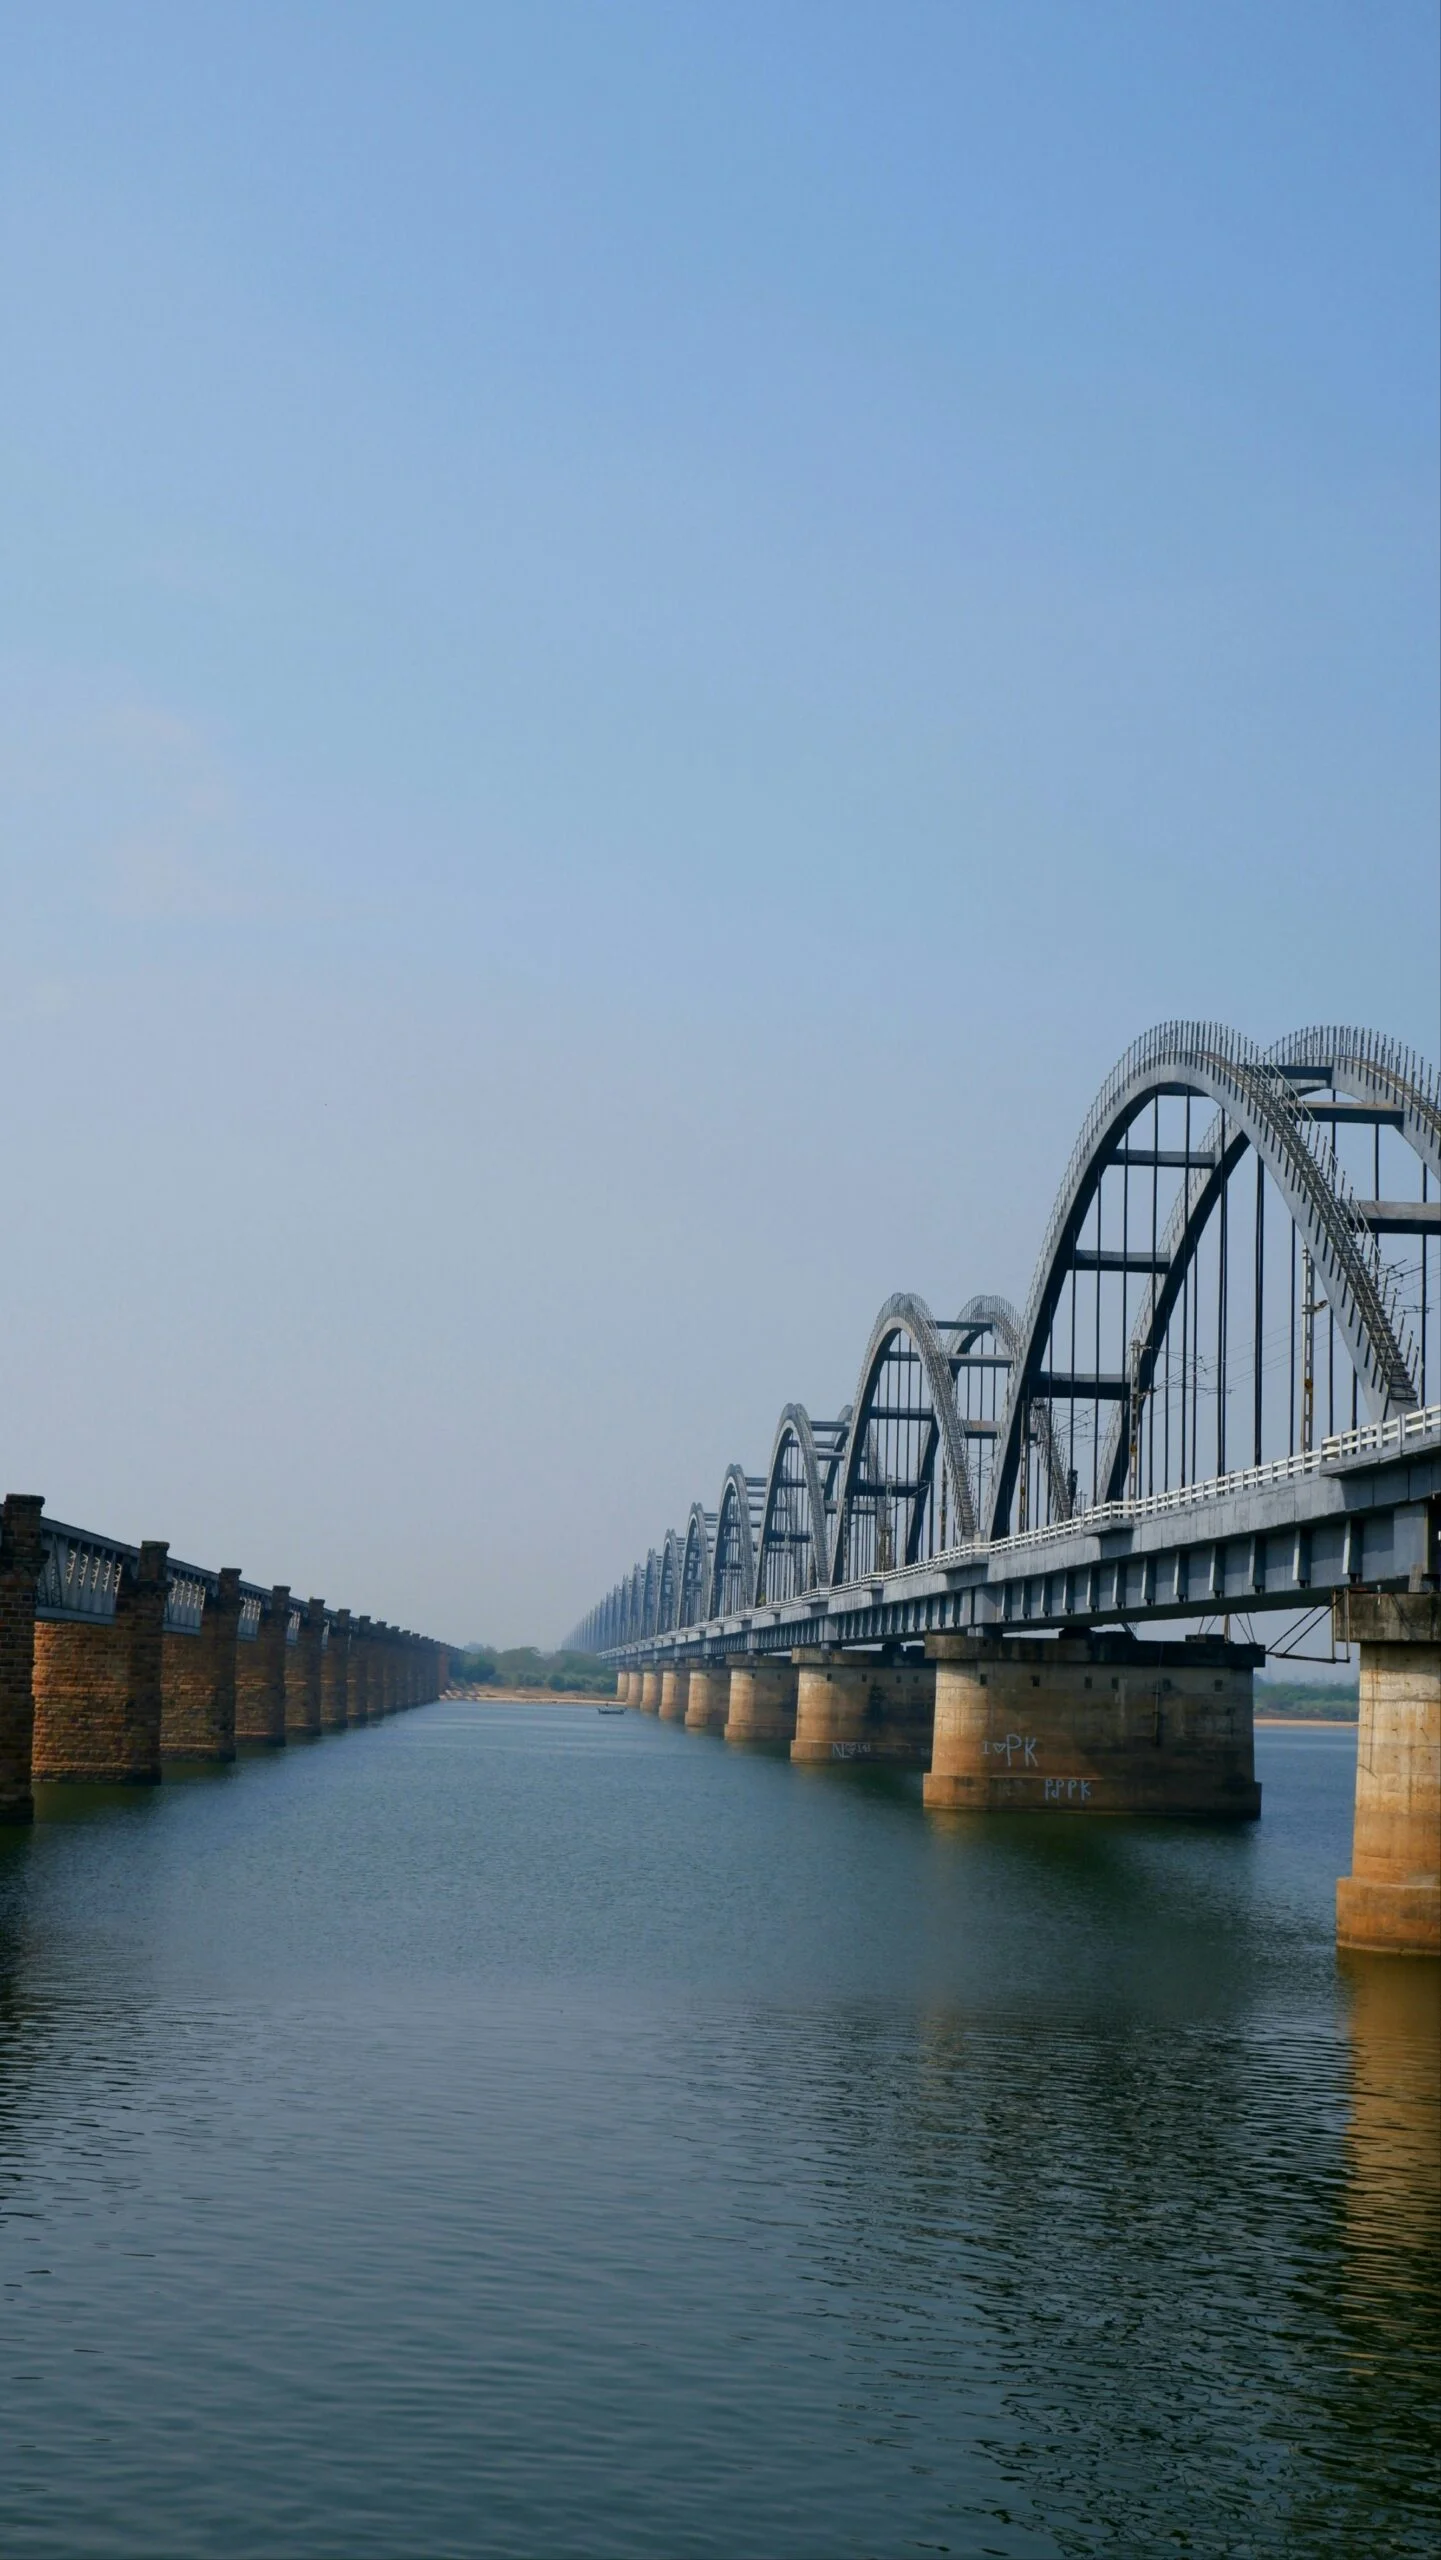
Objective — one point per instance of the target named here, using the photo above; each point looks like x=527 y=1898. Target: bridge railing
x=1402 y=1431
x=80 y=1574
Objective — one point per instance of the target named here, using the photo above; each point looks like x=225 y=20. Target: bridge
x=116 y=1659
x=1221 y=1400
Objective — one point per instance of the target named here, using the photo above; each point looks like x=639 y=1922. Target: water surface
x=519 y=2131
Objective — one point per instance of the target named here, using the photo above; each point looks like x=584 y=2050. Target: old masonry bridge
x=1219 y=1400
x=116 y=1659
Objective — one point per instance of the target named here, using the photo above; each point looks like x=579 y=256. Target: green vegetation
x=480 y=1666
x=1331 y=1700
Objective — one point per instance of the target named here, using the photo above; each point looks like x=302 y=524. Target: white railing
x=1404 y=1430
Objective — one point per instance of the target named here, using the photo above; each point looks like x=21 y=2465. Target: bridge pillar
x=862 y=1706
x=98 y=1683
x=762 y=1704
x=302 y=1672
x=650 y=1691
x=708 y=1697
x=197 y=1679
x=360 y=1709
x=674 y=1693
x=1391 y=1900
x=335 y=1674
x=1094 y=1724
x=632 y=1688
x=20 y=1560
x=260 y=1673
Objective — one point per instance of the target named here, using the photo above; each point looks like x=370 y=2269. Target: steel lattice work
x=1243 y=1262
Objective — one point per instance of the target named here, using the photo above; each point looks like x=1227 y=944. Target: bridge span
x=1221 y=1401
x=115 y=1659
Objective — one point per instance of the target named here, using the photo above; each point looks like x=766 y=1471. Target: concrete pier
x=260 y=1673
x=708 y=1697
x=1093 y=1724
x=650 y=1692
x=863 y=1706
x=674 y=1693
x=97 y=1683
x=1391 y=1900
x=197 y=1679
x=762 y=1712
x=335 y=1674
x=20 y=1556
x=303 y=1674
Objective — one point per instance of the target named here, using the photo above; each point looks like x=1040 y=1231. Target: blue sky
x=634 y=641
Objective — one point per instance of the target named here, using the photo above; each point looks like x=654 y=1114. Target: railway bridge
x=1220 y=1405
x=115 y=1659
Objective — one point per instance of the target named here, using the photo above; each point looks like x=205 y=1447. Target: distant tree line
x=523 y=1666
x=1331 y=1701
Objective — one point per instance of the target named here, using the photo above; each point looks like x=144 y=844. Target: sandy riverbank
x=529 y=1698
x=1313 y=1724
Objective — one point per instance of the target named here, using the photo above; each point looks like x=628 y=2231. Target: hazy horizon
x=634 y=646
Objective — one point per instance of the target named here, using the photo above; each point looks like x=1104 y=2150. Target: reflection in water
x=1390 y=2314
x=506 y=2135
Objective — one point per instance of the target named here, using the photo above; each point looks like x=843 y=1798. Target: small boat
x=610 y=1711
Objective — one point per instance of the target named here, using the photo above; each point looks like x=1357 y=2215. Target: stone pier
x=1093 y=1724
x=650 y=1691
x=260 y=1673
x=334 y=1674
x=762 y=1707
x=1391 y=1900
x=674 y=1693
x=361 y=1708
x=863 y=1706
x=303 y=1672
x=197 y=1679
x=97 y=1683
x=708 y=1697
x=20 y=1557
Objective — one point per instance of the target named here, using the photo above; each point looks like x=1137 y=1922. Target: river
x=513 y=2130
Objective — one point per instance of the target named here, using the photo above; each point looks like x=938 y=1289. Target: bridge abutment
x=1093 y=1724
x=21 y=1551
x=97 y=1684
x=674 y=1693
x=863 y=1706
x=761 y=1710
x=1391 y=1900
x=260 y=1673
x=197 y=1679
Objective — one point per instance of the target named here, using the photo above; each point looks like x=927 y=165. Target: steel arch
x=1371 y=1068
x=695 y=1567
x=668 y=1591
x=989 y=1314
x=735 y=1526
x=1255 y=1098
x=794 y=1428
x=909 y=1316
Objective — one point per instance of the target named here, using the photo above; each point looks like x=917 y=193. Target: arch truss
x=1244 y=1256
